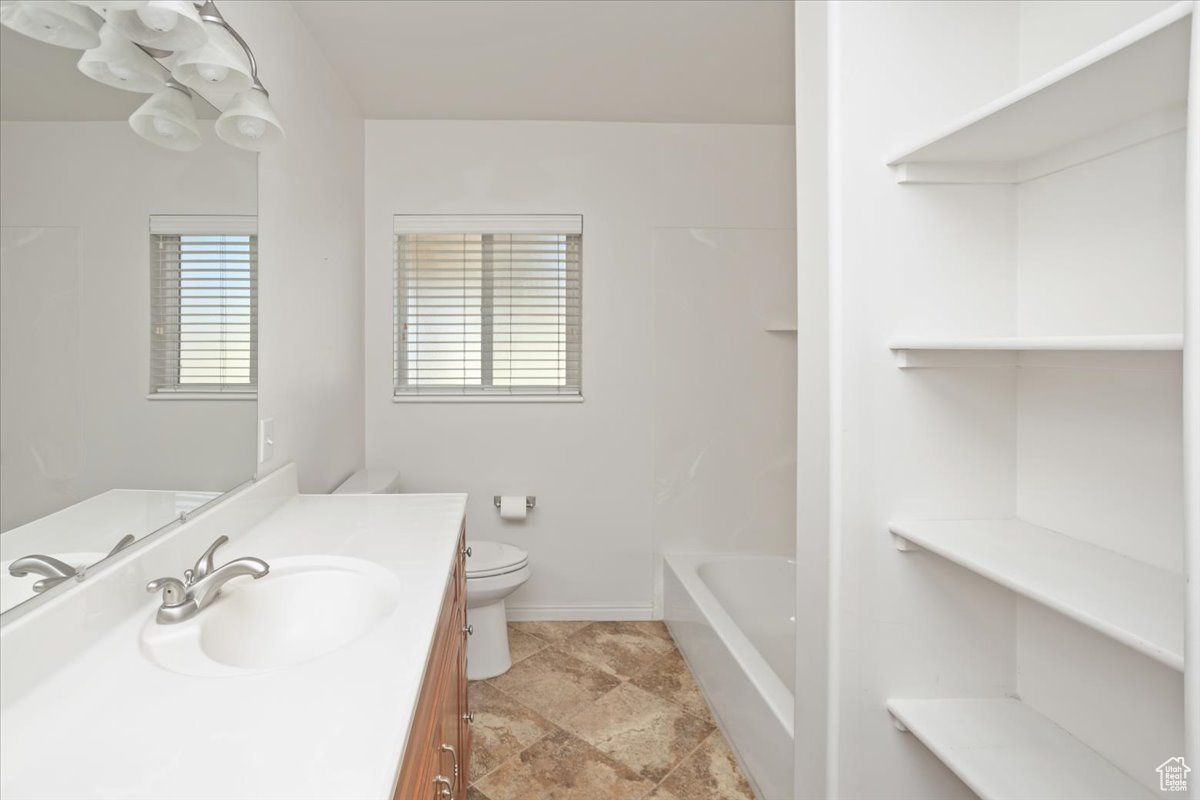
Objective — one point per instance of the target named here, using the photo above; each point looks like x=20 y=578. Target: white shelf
x=1004 y=750
x=1137 y=604
x=909 y=349
x=1127 y=90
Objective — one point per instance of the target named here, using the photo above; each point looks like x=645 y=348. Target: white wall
x=1054 y=31
x=81 y=425
x=592 y=538
x=812 y=718
x=310 y=253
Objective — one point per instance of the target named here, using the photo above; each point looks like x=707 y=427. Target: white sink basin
x=303 y=609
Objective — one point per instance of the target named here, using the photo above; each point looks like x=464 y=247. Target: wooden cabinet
x=437 y=757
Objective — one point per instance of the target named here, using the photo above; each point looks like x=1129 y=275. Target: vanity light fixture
x=220 y=62
x=168 y=118
x=161 y=24
x=250 y=122
x=120 y=63
x=59 y=23
x=131 y=44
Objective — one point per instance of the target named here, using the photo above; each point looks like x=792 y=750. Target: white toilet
x=494 y=571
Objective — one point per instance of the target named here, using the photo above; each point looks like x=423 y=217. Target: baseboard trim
x=599 y=613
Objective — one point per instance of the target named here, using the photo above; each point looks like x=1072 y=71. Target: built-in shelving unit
x=1004 y=750
x=1126 y=91
x=1137 y=604
x=1085 y=439
x=917 y=351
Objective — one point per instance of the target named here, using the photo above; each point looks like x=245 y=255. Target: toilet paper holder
x=530 y=501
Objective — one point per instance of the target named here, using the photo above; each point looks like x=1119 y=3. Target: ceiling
x=716 y=61
x=40 y=83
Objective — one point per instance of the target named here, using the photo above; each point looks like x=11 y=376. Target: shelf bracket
x=896 y=723
x=904 y=545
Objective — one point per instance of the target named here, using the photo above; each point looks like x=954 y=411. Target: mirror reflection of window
x=204 y=305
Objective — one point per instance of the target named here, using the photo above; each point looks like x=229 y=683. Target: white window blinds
x=204 y=304
x=488 y=305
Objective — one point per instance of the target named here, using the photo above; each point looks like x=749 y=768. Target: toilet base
x=487 y=646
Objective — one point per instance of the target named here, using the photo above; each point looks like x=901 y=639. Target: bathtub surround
x=605 y=709
x=604 y=504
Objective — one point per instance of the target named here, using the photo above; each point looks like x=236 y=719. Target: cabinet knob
x=469 y=717
x=469 y=630
x=467 y=551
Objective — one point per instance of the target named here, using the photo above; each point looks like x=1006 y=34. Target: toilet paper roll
x=512 y=507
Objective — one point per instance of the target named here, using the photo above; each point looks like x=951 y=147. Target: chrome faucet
x=53 y=570
x=183 y=599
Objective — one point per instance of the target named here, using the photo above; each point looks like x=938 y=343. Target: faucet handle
x=174 y=592
x=204 y=564
x=125 y=541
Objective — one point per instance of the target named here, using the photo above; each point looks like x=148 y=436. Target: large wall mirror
x=128 y=308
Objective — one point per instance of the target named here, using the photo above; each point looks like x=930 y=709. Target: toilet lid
x=494 y=558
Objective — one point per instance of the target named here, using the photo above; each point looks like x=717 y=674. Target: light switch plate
x=266 y=439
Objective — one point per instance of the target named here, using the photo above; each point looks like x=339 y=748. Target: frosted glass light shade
x=119 y=63
x=100 y=6
x=219 y=63
x=250 y=123
x=167 y=119
x=161 y=24
x=59 y=23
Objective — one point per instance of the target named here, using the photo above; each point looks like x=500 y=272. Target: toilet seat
x=489 y=559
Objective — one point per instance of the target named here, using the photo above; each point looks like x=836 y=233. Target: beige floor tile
x=710 y=773
x=522 y=645
x=656 y=627
x=502 y=728
x=549 y=631
x=475 y=794
x=670 y=679
x=621 y=649
x=554 y=684
x=639 y=729
x=563 y=767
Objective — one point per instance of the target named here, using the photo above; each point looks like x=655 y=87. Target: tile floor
x=597 y=711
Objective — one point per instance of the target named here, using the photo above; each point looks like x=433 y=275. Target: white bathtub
x=732 y=616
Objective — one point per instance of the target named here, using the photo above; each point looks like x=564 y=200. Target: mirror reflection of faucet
x=183 y=599
x=54 y=570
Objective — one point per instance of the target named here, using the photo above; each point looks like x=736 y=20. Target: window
x=203 y=306
x=487 y=306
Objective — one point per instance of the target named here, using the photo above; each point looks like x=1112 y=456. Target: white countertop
x=113 y=724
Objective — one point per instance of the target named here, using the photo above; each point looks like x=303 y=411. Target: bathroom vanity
x=340 y=673
x=437 y=755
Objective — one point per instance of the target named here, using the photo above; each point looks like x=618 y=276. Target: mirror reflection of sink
x=306 y=607
x=17 y=590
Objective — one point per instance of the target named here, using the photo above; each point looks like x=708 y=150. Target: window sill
x=202 y=396
x=483 y=398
